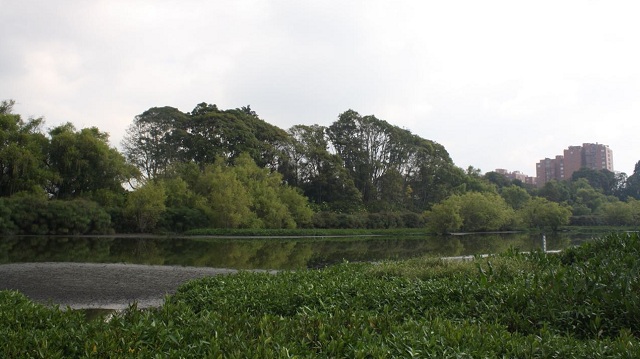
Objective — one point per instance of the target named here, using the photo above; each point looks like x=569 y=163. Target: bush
x=29 y=214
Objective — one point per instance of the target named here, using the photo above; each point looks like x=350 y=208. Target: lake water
x=267 y=253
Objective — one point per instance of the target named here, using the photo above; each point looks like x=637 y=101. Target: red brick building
x=590 y=155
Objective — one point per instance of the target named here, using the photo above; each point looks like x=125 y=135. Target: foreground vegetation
x=584 y=302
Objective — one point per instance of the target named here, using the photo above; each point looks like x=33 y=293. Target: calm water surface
x=267 y=253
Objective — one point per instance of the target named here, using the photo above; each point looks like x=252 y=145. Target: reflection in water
x=265 y=253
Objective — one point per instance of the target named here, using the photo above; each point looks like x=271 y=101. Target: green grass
x=583 y=302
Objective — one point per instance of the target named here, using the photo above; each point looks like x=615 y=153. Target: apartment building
x=549 y=169
x=590 y=155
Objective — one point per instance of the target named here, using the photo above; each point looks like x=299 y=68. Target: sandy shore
x=91 y=285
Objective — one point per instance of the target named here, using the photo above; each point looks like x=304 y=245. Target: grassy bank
x=584 y=302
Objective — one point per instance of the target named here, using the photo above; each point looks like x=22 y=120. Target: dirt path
x=90 y=285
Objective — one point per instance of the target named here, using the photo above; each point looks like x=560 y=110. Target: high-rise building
x=590 y=155
x=572 y=160
x=597 y=156
x=549 y=169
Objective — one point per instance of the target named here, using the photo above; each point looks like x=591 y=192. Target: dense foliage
x=213 y=168
x=584 y=302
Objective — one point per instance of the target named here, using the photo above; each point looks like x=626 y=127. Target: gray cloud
x=498 y=83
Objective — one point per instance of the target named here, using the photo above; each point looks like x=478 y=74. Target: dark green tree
x=320 y=174
x=22 y=153
x=82 y=163
x=515 y=196
x=497 y=179
x=632 y=186
x=151 y=142
x=555 y=191
x=603 y=180
x=431 y=176
x=373 y=151
x=210 y=133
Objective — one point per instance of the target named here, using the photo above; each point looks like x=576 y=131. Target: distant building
x=517 y=175
x=572 y=160
x=590 y=155
x=549 y=169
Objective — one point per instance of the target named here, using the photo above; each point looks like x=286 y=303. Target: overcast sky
x=500 y=84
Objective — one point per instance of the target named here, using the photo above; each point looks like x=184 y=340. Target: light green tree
x=541 y=213
x=264 y=188
x=445 y=217
x=472 y=212
x=228 y=201
x=617 y=213
x=145 y=206
x=484 y=212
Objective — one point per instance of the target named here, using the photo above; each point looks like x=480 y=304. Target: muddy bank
x=91 y=285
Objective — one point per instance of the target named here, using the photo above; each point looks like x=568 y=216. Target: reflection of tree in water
x=54 y=249
x=452 y=247
x=139 y=250
x=262 y=253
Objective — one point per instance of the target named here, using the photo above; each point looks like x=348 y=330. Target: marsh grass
x=584 y=302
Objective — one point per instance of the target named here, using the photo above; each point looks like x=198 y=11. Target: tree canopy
x=231 y=169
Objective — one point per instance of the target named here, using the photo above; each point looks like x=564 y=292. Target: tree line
x=230 y=169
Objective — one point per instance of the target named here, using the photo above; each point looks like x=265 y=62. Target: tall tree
x=320 y=174
x=210 y=133
x=431 y=175
x=371 y=149
x=151 y=142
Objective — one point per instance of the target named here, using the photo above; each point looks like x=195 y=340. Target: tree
x=497 y=179
x=228 y=204
x=151 y=142
x=210 y=133
x=515 y=196
x=555 y=191
x=602 y=180
x=22 y=153
x=484 y=212
x=586 y=199
x=541 y=213
x=145 y=205
x=471 y=212
x=320 y=174
x=445 y=217
x=431 y=175
x=632 y=186
x=272 y=201
x=618 y=213
x=82 y=163
x=373 y=151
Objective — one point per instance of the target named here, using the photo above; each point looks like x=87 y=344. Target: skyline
x=522 y=79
